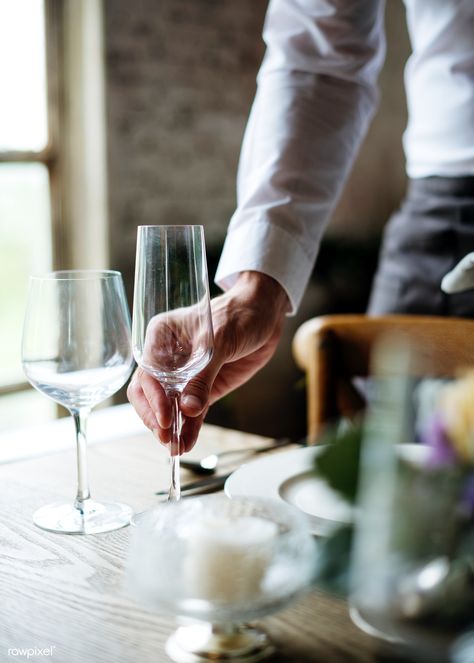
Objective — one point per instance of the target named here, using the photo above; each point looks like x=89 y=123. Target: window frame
x=75 y=79
x=49 y=156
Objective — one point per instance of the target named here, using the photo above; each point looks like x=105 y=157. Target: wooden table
x=66 y=592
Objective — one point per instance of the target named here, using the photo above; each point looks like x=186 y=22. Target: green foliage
x=334 y=559
x=338 y=464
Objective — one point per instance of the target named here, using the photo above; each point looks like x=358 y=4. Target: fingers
x=140 y=402
x=157 y=399
x=150 y=402
x=195 y=398
x=190 y=431
x=154 y=409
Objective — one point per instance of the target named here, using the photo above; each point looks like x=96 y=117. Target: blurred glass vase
x=413 y=569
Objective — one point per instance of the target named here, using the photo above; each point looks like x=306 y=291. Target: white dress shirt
x=315 y=98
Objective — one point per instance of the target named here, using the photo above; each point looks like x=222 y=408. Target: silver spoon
x=208 y=464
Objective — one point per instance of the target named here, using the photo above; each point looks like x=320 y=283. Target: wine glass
x=76 y=349
x=172 y=325
x=219 y=563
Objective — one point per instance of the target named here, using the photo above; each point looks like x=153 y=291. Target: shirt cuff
x=265 y=247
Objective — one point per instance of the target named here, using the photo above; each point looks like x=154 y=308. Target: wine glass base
x=149 y=517
x=198 y=643
x=92 y=518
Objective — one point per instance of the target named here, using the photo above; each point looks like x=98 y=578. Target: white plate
x=289 y=476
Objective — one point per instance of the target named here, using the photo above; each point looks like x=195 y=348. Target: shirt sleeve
x=316 y=94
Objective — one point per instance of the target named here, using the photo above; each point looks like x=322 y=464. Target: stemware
x=76 y=349
x=218 y=563
x=172 y=326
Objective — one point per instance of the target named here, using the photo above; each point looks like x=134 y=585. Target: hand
x=178 y=341
x=247 y=321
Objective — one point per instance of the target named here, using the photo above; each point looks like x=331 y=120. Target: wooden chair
x=334 y=349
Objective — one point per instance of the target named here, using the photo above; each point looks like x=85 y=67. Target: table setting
x=239 y=550
x=70 y=591
x=78 y=348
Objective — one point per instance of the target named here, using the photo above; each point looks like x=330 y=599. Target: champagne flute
x=172 y=325
x=76 y=349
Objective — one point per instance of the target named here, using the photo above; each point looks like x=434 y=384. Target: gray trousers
x=426 y=238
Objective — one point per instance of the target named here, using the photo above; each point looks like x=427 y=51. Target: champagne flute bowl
x=76 y=349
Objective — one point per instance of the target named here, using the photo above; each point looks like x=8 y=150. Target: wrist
x=262 y=288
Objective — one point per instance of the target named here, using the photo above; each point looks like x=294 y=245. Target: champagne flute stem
x=175 y=483
x=80 y=421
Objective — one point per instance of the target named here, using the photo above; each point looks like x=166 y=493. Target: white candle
x=227 y=558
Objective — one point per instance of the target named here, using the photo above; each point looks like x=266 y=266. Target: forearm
x=316 y=96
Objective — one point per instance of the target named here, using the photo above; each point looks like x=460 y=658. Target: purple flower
x=435 y=437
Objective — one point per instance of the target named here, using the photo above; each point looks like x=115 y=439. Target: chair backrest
x=332 y=350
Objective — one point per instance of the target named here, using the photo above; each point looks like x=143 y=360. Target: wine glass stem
x=175 y=483
x=80 y=421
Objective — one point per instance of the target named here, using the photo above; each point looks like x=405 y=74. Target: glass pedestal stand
x=201 y=642
x=217 y=564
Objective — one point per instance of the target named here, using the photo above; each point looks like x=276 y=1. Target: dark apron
x=426 y=238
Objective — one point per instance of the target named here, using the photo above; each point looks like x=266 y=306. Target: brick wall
x=180 y=79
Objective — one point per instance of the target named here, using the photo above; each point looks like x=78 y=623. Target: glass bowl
x=221 y=562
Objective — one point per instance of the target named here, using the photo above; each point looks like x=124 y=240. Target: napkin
x=460 y=277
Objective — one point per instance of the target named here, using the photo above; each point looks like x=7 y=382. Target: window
x=53 y=193
x=27 y=154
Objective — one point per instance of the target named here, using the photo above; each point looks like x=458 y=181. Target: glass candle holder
x=220 y=562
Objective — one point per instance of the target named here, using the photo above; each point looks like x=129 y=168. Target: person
x=316 y=95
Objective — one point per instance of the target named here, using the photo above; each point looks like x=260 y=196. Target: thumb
x=195 y=398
